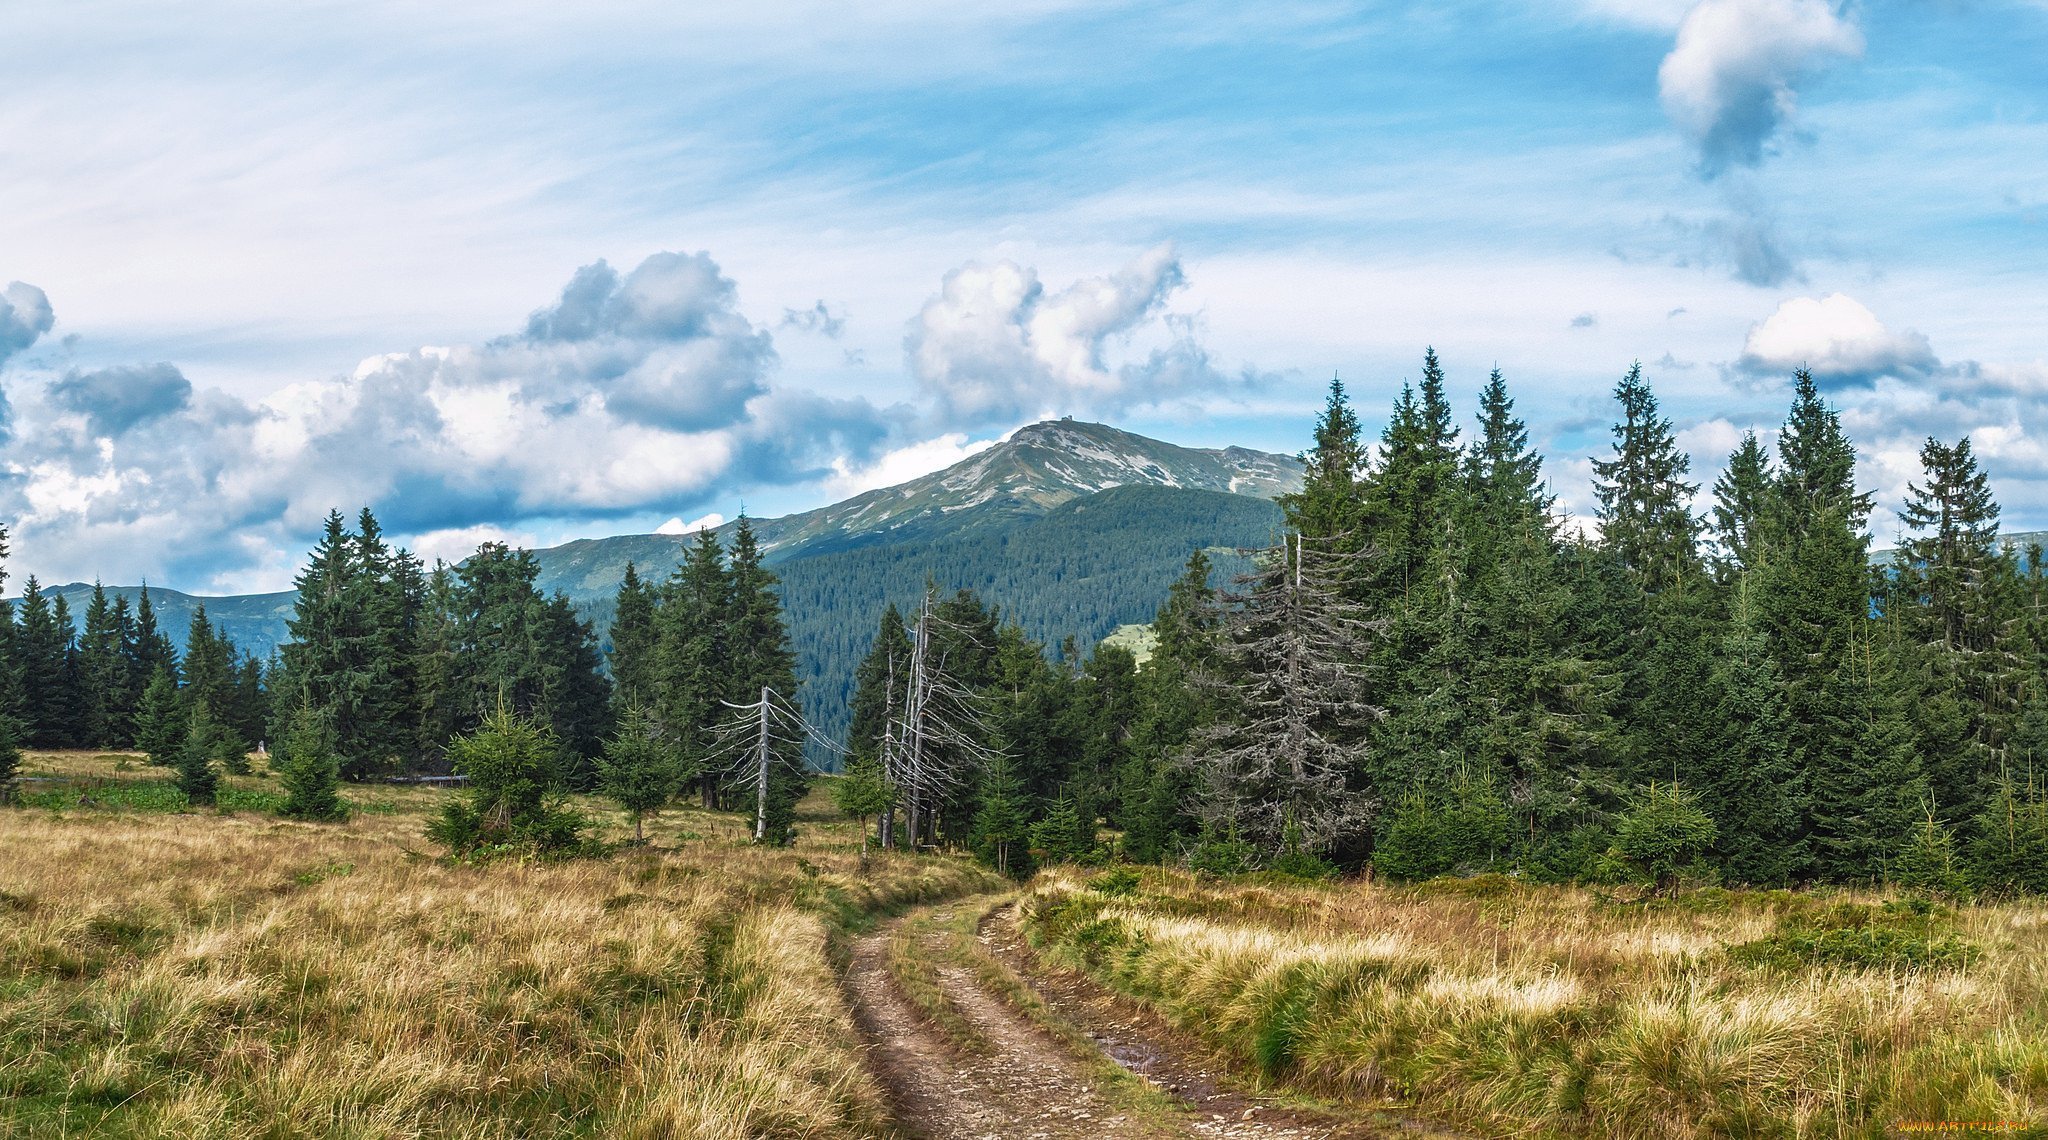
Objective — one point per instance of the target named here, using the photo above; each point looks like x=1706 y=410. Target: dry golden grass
x=208 y=974
x=1522 y=1010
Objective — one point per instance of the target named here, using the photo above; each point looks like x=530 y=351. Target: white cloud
x=993 y=345
x=1728 y=82
x=453 y=544
x=904 y=464
x=676 y=525
x=1837 y=339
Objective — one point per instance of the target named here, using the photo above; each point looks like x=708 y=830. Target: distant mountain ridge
x=1038 y=470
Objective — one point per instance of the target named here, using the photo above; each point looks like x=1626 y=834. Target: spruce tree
x=1954 y=593
x=639 y=770
x=1848 y=701
x=1154 y=793
x=163 y=722
x=210 y=681
x=1000 y=835
x=109 y=717
x=1408 y=494
x=1751 y=787
x=1864 y=794
x=150 y=650
x=514 y=796
x=1928 y=863
x=1646 y=521
x=1328 y=503
x=1285 y=751
x=2008 y=853
x=1662 y=835
x=383 y=601
x=309 y=765
x=690 y=657
x=42 y=651
x=634 y=637
x=1742 y=508
x=10 y=759
x=194 y=766
x=759 y=657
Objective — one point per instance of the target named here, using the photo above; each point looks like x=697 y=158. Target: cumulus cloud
x=25 y=316
x=113 y=400
x=631 y=392
x=1729 y=81
x=994 y=344
x=1838 y=340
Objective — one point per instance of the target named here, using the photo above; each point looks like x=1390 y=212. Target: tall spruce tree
x=1328 y=503
x=1956 y=593
x=42 y=654
x=759 y=657
x=634 y=638
x=1646 y=520
x=1742 y=506
x=1849 y=716
x=690 y=656
x=1750 y=786
x=1154 y=793
x=109 y=713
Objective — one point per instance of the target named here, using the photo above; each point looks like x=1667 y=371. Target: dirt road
x=1024 y=1084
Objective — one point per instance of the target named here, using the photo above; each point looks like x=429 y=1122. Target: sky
x=531 y=272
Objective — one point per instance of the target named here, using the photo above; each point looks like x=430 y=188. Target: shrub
x=1911 y=933
x=514 y=794
x=1119 y=883
x=310 y=767
x=1662 y=835
x=1462 y=831
x=1928 y=863
x=1222 y=855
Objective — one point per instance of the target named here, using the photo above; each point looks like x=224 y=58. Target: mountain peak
x=1039 y=467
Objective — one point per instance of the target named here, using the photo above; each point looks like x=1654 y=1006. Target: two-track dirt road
x=1026 y=1084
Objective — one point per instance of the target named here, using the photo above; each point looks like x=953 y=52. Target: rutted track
x=1027 y=1085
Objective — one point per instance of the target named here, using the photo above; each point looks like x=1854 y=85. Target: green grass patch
x=1904 y=934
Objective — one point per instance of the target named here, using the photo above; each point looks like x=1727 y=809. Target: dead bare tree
x=760 y=735
x=941 y=738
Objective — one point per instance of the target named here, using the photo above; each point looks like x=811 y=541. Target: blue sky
x=274 y=260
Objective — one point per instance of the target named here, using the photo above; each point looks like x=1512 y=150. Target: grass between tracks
x=222 y=973
x=1510 y=1008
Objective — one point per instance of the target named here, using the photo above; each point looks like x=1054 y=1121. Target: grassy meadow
x=1511 y=1009
x=226 y=973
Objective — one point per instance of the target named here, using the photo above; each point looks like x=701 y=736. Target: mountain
x=1039 y=468
x=1070 y=528
x=255 y=621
